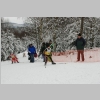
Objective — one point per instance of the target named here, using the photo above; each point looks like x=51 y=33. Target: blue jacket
x=32 y=50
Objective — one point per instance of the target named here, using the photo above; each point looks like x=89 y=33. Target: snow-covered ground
x=91 y=55
x=61 y=73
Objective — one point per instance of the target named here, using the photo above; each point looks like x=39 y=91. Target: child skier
x=14 y=59
x=47 y=53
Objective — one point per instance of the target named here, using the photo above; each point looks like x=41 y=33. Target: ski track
x=36 y=73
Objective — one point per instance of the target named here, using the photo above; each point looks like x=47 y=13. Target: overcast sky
x=18 y=20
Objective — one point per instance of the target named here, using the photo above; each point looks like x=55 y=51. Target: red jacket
x=13 y=57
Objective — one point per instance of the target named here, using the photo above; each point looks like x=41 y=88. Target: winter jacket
x=51 y=45
x=32 y=50
x=13 y=57
x=48 y=51
x=43 y=47
x=80 y=43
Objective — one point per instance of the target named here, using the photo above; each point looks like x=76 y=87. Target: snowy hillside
x=61 y=73
x=62 y=31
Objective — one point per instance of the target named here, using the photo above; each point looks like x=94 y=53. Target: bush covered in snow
x=10 y=44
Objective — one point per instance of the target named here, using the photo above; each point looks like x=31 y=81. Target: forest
x=61 y=30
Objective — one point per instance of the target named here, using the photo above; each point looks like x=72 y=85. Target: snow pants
x=31 y=57
x=80 y=52
x=14 y=60
x=46 y=58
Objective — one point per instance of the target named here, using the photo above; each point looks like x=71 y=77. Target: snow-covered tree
x=10 y=44
x=61 y=30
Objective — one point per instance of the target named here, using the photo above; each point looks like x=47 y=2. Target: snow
x=61 y=73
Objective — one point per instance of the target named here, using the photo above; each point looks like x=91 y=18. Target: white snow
x=61 y=73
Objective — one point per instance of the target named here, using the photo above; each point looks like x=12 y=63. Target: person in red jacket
x=14 y=59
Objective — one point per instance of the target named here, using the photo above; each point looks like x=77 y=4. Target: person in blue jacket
x=31 y=51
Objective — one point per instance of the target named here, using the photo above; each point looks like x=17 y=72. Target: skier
x=47 y=53
x=51 y=45
x=31 y=51
x=43 y=47
x=80 y=43
x=14 y=59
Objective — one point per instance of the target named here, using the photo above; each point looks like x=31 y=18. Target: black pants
x=46 y=58
x=31 y=57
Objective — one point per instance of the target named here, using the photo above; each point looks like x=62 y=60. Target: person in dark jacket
x=51 y=45
x=31 y=51
x=43 y=47
x=80 y=43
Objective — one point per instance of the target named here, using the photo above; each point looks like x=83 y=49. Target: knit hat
x=79 y=34
x=43 y=43
x=50 y=41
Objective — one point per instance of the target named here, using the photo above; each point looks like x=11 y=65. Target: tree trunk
x=82 y=21
x=54 y=41
x=92 y=40
x=36 y=36
x=91 y=34
x=41 y=26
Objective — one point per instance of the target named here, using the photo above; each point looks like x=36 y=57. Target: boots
x=53 y=63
